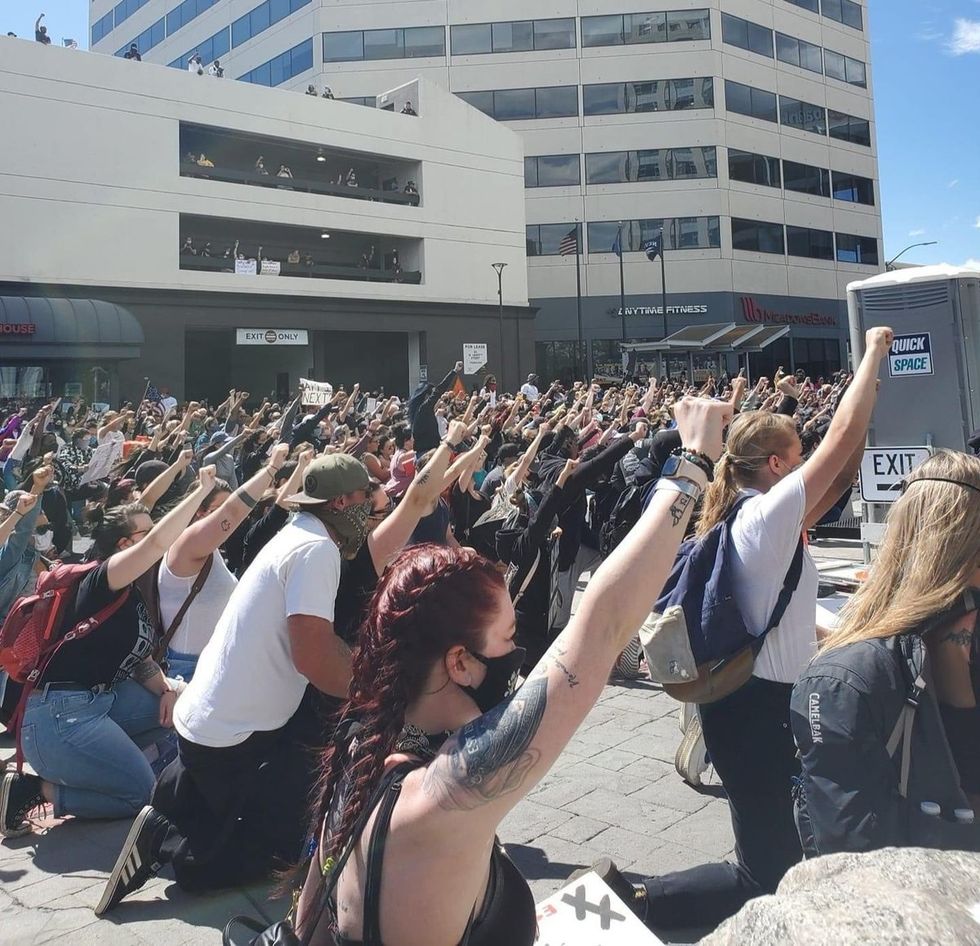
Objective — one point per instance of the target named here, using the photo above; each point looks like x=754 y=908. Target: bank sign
x=910 y=355
x=271 y=336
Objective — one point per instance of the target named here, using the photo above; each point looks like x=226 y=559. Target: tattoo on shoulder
x=679 y=507
x=492 y=756
x=959 y=638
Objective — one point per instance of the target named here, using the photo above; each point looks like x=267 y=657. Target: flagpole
x=622 y=283
x=663 y=277
x=582 y=368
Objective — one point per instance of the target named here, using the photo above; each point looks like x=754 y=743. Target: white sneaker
x=691 y=759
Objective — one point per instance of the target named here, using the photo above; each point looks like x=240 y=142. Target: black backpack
x=625 y=514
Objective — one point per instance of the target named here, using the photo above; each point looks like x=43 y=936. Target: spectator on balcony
x=408 y=110
x=196 y=64
x=411 y=189
x=311 y=90
x=327 y=92
x=188 y=248
x=205 y=250
x=260 y=166
x=204 y=161
x=133 y=53
x=284 y=172
x=308 y=261
x=41 y=32
x=368 y=258
x=216 y=70
x=293 y=257
x=390 y=185
x=351 y=179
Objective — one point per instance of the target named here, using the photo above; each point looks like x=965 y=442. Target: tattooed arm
x=950 y=648
x=494 y=761
x=390 y=536
x=189 y=553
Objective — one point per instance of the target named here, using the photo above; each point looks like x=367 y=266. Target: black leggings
x=751 y=745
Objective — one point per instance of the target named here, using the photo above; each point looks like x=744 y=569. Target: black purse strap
x=375 y=860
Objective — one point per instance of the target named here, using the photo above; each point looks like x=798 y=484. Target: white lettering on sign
x=910 y=355
x=272 y=336
x=883 y=470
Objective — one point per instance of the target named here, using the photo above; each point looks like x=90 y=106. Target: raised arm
x=195 y=545
x=126 y=566
x=151 y=495
x=492 y=762
x=850 y=424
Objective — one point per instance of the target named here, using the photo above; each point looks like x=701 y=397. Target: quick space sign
x=910 y=355
x=272 y=336
x=884 y=468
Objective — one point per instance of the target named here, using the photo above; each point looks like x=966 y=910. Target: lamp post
x=911 y=246
x=499 y=268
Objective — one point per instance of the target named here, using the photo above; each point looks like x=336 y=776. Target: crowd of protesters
x=373 y=577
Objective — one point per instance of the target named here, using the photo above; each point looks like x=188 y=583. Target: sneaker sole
x=6 y=781
x=122 y=862
x=684 y=762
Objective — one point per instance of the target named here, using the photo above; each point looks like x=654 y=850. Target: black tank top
x=508 y=915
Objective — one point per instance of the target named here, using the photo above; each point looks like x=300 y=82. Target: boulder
x=898 y=896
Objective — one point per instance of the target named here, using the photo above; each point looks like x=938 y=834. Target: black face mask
x=500 y=680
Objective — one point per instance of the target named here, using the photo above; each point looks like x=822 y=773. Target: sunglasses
x=937 y=479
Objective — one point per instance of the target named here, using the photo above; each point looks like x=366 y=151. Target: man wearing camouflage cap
x=232 y=806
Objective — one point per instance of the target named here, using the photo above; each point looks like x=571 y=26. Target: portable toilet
x=930 y=386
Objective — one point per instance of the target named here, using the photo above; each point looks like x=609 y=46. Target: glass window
x=747 y=35
x=858 y=190
x=753 y=168
x=543 y=238
x=848 y=128
x=607 y=167
x=219 y=44
x=481 y=100
x=843 y=11
x=602 y=30
x=857 y=72
x=552 y=170
x=812 y=244
x=656 y=95
x=513 y=37
x=692 y=163
x=102 y=27
x=605 y=99
x=747 y=100
x=810 y=57
x=806 y=179
x=615 y=167
x=384 y=44
x=802 y=115
x=757 y=236
x=556 y=102
x=240 y=31
x=423 y=41
x=513 y=104
x=342 y=47
x=833 y=64
x=787 y=49
x=806 y=4
x=259 y=19
x=687 y=25
x=554 y=34
x=471 y=39
x=645 y=28
x=278 y=10
x=301 y=58
x=602 y=236
x=857 y=249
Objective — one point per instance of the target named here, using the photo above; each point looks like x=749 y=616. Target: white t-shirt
x=529 y=391
x=204 y=613
x=245 y=680
x=765 y=534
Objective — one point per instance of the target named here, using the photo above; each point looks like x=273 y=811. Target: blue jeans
x=181 y=665
x=85 y=743
x=11 y=474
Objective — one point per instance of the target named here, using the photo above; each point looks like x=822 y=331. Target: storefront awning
x=719 y=338
x=42 y=327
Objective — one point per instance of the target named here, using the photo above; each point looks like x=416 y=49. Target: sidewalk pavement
x=613 y=791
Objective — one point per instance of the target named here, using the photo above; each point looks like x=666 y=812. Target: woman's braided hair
x=430 y=599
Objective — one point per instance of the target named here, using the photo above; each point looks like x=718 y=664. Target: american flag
x=569 y=242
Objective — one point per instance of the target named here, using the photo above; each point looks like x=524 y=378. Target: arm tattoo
x=242 y=495
x=679 y=507
x=492 y=756
x=226 y=525
x=145 y=670
x=958 y=638
x=553 y=658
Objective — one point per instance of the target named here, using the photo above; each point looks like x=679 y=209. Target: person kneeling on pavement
x=230 y=809
x=102 y=692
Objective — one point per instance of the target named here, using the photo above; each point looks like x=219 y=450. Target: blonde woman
x=747 y=734
x=910 y=627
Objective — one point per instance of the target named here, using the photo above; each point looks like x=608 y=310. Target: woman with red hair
x=435 y=748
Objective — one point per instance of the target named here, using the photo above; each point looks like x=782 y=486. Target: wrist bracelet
x=245 y=497
x=678 y=485
x=699 y=459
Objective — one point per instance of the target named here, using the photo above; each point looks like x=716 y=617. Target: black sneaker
x=138 y=861
x=633 y=895
x=19 y=794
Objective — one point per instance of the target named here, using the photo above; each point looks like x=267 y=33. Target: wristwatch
x=678 y=467
x=700 y=460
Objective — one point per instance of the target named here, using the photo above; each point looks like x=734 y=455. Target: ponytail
x=720 y=496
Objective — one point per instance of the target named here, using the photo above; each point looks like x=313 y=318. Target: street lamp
x=499 y=267
x=912 y=246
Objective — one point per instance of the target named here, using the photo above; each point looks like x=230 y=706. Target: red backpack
x=30 y=636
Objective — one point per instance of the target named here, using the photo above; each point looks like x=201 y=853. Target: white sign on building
x=474 y=357
x=272 y=336
x=245 y=267
x=884 y=468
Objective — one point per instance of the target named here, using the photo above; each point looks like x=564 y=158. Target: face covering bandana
x=349 y=525
x=500 y=680
x=425 y=745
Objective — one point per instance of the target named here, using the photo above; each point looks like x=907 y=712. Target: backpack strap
x=902 y=731
x=160 y=652
x=790 y=583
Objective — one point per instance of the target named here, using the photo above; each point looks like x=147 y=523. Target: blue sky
x=926 y=72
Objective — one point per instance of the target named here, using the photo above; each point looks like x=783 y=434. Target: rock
x=895 y=896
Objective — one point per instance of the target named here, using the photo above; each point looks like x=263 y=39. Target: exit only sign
x=884 y=468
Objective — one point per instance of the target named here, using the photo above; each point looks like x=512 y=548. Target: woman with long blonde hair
x=767 y=495
x=903 y=654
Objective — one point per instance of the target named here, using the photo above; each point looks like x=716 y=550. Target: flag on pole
x=569 y=242
x=153 y=394
x=655 y=247
x=70 y=43
x=617 y=246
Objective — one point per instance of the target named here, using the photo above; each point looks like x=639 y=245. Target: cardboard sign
x=586 y=912
x=910 y=355
x=474 y=357
x=316 y=393
x=245 y=267
x=271 y=267
x=103 y=458
x=884 y=468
